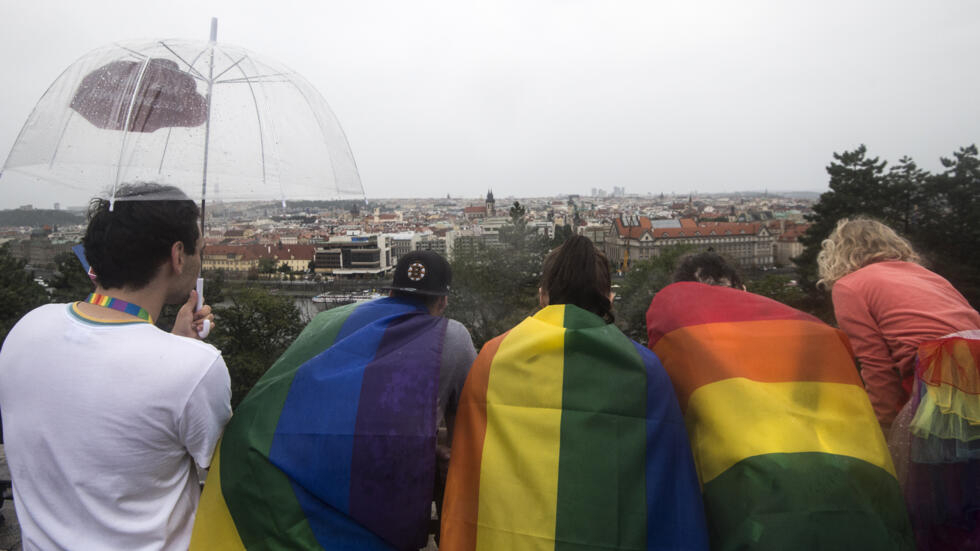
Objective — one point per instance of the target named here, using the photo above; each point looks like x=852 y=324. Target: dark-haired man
x=338 y=440
x=106 y=417
x=710 y=268
x=787 y=448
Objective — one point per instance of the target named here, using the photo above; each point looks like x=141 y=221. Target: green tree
x=937 y=213
x=857 y=186
x=948 y=231
x=639 y=285
x=562 y=233
x=906 y=187
x=267 y=266
x=70 y=281
x=168 y=316
x=252 y=332
x=517 y=239
x=19 y=292
x=517 y=212
x=285 y=270
x=215 y=282
x=495 y=287
x=778 y=287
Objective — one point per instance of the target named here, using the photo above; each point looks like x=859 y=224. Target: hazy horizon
x=542 y=98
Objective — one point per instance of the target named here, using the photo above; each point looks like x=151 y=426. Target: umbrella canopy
x=214 y=120
x=166 y=97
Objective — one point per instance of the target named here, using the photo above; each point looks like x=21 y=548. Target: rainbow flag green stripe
x=776 y=484
x=784 y=439
x=568 y=436
x=334 y=448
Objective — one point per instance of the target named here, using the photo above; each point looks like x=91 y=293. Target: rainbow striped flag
x=568 y=436
x=334 y=447
x=786 y=445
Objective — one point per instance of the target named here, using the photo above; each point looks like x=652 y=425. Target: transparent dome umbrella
x=216 y=121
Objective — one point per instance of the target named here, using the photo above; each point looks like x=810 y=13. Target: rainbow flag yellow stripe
x=781 y=421
x=568 y=436
x=785 y=442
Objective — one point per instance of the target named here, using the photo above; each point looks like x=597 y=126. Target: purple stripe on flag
x=393 y=458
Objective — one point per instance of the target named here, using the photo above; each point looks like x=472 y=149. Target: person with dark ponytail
x=577 y=273
x=567 y=431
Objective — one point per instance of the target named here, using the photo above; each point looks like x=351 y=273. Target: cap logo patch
x=416 y=271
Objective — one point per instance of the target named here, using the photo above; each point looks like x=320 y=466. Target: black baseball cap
x=423 y=273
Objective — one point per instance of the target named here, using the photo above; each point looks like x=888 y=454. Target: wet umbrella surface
x=217 y=121
x=166 y=97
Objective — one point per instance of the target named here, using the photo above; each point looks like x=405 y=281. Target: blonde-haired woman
x=888 y=305
x=918 y=343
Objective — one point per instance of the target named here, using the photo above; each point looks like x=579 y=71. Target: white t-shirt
x=102 y=425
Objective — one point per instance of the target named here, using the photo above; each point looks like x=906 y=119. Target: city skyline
x=543 y=98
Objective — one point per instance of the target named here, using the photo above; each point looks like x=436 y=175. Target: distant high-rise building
x=402 y=244
x=355 y=256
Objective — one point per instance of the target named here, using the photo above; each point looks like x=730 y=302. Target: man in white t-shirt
x=106 y=418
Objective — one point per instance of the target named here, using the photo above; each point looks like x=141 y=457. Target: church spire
x=491 y=204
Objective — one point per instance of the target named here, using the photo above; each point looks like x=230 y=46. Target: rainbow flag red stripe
x=568 y=436
x=334 y=448
x=785 y=442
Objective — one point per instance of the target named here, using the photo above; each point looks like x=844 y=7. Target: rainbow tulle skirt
x=937 y=444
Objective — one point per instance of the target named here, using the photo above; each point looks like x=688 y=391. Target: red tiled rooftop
x=689 y=228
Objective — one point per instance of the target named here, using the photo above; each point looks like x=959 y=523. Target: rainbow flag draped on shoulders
x=568 y=437
x=786 y=445
x=334 y=447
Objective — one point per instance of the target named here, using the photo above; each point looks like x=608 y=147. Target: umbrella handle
x=203 y=333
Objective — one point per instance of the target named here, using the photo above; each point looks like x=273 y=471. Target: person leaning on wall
x=569 y=432
x=918 y=343
x=788 y=450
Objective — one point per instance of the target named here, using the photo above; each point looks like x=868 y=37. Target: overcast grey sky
x=535 y=98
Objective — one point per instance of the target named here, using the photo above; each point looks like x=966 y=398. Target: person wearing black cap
x=358 y=403
x=423 y=275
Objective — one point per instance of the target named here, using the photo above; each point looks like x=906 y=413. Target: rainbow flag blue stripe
x=334 y=448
